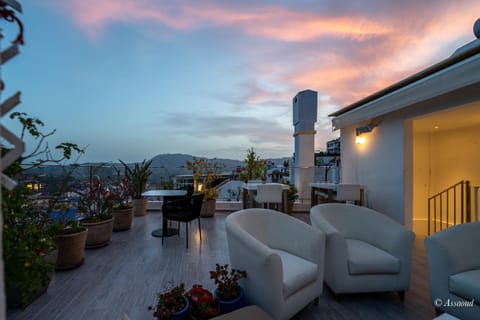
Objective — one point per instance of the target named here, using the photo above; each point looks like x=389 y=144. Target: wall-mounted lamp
x=363 y=129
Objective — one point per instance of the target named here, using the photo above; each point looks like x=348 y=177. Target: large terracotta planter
x=14 y=295
x=71 y=248
x=208 y=208
x=290 y=204
x=99 y=233
x=139 y=207
x=122 y=219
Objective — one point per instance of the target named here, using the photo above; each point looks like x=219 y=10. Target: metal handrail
x=441 y=205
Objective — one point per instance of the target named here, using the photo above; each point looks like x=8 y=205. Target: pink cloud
x=272 y=22
x=343 y=51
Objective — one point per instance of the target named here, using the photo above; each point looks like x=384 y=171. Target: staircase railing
x=450 y=207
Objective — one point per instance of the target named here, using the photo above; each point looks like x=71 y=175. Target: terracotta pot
x=208 y=208
x=122 y=219
x=99 y=233
x=71 y=248
x=290 y=204
x=14 y=295
x=139 y=207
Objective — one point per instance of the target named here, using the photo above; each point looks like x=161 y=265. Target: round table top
x=164 y=193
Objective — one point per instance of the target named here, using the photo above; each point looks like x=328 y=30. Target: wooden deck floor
x=124 y=277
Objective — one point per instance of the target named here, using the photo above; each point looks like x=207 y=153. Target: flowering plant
x=170 y=302
x=96 y=203
x=121 y=193
x=202 y=304
x=227 y=282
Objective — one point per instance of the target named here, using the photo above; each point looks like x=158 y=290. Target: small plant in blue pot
x=172 y=304
x=228 y=291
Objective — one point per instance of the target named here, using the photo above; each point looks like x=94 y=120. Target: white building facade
x=420 y=136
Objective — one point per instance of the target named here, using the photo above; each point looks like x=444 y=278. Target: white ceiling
x=454 y=118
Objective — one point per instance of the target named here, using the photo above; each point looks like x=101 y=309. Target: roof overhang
x=445 y=78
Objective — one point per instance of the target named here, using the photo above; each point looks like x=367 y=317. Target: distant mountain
x=164 y=167
x=178 y=160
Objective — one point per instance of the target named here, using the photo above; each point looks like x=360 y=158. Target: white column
x=304 y=118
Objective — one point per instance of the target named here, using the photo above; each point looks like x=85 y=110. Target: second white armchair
x=366 y=251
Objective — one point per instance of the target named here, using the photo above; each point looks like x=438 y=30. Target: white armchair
x=269 y=193
x=366 y=251
x=454 y=270
x=283 y=257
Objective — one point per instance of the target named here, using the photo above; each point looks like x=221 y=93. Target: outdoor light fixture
x=363 y=129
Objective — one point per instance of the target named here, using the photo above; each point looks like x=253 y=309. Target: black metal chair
x=184 y=210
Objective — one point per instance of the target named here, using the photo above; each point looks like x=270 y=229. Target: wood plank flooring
x=124 y=277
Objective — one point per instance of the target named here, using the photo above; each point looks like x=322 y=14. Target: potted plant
x=255 y=167
x=292 y=195
x=203 y=305
x=70 y=239
x=138 y=176
x=205 y=172
x=122 y=209
x=96 y=206
x=172 y=304
x=28 y=242
x=228 y=290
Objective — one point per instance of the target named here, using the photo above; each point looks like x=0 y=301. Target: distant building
x=333 y=147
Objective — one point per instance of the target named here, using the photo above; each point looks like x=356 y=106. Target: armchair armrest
x=336 y=266
x=263 y=265
x=438 y=271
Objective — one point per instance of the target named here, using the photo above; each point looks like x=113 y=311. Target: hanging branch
x=9 y=15
x=32 y=127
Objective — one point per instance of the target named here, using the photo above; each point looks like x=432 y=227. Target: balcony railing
x=449 y=207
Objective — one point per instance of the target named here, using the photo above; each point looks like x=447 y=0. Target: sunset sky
x=134 y=78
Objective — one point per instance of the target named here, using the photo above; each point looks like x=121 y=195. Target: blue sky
x=134 y=78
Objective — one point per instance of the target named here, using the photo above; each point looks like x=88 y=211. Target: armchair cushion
x=363 y=258
x=466 y=284
x=297 y=272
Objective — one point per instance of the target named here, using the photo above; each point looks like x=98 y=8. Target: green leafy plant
x=226 y=281
x=202 y=303
x=138 y=176
x=169 y=302
x=292 y=193
x=255 y=167
x=26 y=240
x=27 y=233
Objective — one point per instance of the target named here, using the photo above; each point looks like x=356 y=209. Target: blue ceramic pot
x=180 y=315
x=229 y=306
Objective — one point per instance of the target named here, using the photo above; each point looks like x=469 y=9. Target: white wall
x=455 y=157
x=378 y=164
x=441 y=159
x=421 y=178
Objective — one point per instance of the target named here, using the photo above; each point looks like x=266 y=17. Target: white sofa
x=283 y=257
x=454 y=270
x=366 y=251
